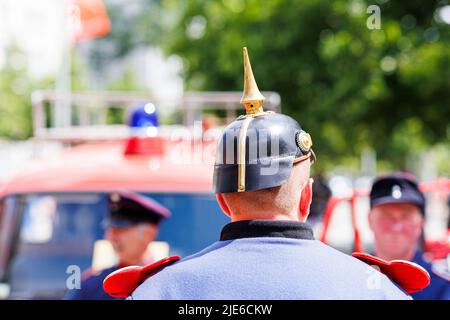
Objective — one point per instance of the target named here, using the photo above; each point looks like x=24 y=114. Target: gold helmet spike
x=252 y=99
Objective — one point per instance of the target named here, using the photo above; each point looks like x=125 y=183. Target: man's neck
x=263 y=216
x=409 y=255
x=144 y=259
x=275 y=215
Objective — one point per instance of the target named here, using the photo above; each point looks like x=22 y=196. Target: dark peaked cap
x=127 y=208
x=400 y=187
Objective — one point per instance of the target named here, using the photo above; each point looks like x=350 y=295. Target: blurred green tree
x=15 y=103
x=352 y=87
x=138 y=23
x=16 y=87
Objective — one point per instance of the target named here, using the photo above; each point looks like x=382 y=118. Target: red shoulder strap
x=408 y=275
x=121 y=283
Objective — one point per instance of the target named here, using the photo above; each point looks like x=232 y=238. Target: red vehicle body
x=105 y=166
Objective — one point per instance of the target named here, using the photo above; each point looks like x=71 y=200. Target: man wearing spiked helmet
x=262 y=182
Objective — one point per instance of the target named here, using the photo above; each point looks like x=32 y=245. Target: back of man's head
x=281 y=202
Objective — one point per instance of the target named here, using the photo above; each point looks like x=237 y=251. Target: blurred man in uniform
x=397 y=219
x=131 y=225
x=262 y=181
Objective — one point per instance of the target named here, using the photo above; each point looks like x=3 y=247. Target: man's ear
x=305 y=200
x=223 y=204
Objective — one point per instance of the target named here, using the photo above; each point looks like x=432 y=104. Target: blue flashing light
x=143 y=115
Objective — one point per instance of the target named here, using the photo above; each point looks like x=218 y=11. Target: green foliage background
x=351 y=87
x=15 y=103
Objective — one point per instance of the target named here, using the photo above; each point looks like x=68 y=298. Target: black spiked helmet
x=257 y=150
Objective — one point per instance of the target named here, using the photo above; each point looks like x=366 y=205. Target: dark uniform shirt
x=439 y=288
x=263 y=259
x=91 y=288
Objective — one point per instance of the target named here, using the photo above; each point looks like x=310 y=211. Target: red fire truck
x=50 y=212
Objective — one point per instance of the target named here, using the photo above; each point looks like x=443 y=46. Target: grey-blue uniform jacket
x=263 y=259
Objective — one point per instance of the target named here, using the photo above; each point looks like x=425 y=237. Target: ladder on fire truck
x=89 y=112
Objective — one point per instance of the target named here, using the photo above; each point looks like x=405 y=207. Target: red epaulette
x=408 y=275
x=121 y=283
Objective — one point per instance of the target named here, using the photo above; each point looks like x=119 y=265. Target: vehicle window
x=59 y=230
x=38 y=220
x=56 y=231
x=196 y=221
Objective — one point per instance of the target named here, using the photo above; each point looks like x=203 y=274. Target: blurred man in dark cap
x=131 y=225
x=397 y=219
